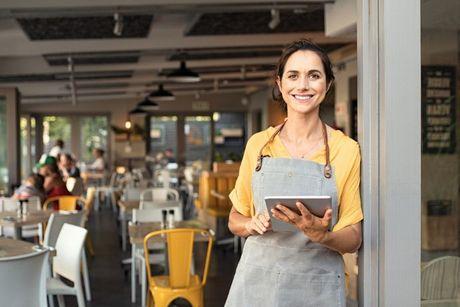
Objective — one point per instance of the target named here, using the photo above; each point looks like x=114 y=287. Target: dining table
x=13 y=248
x=12 y=219
x=127 y=206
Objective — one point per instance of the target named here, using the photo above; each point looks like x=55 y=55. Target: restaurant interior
x=140 y=110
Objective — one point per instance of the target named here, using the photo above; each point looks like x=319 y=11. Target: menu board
x=438 y=109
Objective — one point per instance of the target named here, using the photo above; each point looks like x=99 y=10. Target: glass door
x=197 y=131
x=163 y=137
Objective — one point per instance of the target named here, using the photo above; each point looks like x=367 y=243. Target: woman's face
x=303 y=84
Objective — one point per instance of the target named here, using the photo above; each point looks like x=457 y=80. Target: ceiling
x=228 y=42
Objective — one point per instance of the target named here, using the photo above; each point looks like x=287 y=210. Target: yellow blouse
x=345 y=160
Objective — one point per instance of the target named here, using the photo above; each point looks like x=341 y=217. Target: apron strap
x=327 y=167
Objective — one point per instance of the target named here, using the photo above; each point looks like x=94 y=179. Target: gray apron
x=286 y=268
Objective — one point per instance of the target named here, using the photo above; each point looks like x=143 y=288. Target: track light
x=275 y=20
x=118 y=26
x=183 y=74
x=161 y=95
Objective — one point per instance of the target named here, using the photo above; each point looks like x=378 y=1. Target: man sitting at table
x=67 y=166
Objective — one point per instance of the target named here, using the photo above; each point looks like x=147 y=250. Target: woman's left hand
x=313 y=227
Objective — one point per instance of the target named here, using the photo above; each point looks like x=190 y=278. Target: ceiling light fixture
x=183 y=74
x=73 y=86
x=161 y=95
x=137 y=112
x=118 y=26
x=148 y=105
x=275 y=20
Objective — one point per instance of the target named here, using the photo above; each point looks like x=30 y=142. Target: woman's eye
x=315 y=76
x=292 y=77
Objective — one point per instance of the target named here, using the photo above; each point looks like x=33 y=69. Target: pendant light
x=137 y=112
x=161 y=95
x=183 y=74
x=148 y=105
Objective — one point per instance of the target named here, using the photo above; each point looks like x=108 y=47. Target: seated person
x=32 y=186
x=99 y=162
x=53 y=184
x=67 y=166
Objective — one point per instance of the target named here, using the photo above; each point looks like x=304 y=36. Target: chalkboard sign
x=438 y=109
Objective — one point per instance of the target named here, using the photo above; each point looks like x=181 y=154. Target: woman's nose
x=304 y=83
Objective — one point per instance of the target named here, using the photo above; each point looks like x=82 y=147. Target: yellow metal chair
x=87 y=208
x=180 y=282
x=66 y=203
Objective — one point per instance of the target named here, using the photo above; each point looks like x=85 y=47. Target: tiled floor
x=110 y=285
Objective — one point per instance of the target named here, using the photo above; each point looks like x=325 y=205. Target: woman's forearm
x=346 y=240
x=237 y=223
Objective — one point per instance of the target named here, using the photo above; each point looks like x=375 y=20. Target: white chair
x=441 y=282
x=149 y=196
x=137 y=254
x=23 y=280
x=75 y=186
x=55 y=223
x=66 y=263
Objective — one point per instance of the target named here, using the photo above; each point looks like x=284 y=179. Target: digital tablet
x=317 y=205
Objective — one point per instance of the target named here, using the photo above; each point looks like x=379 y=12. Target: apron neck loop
x=327 y=167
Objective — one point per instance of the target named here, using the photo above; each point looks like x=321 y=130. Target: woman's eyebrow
x=309 y=72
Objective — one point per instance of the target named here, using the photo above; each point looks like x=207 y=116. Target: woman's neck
x=300 y=128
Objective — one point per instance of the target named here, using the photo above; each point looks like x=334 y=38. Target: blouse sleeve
x=241 y=195
x=350 y=211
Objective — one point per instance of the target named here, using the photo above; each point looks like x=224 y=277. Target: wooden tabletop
x=128 y=205
x=137 y=232
x=12 y=248
x=11 y=218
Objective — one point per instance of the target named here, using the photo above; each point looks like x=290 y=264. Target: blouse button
x=290 y=174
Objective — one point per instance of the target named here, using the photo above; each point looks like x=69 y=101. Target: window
x=93 y=134
x=54 y=128
x=440 y=105
x=197 y=130
x=3 y=147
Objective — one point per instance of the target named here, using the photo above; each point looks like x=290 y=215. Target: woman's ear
x=278 y=83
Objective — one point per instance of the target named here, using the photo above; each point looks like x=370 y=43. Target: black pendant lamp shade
x=161 y=95
x=137 y=112
x=183 y=74
x=147 y=105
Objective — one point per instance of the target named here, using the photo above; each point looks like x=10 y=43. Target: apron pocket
x=315 y=290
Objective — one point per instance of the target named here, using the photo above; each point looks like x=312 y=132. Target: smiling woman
x=304 y=267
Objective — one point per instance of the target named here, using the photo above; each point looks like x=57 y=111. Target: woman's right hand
x=258 y=224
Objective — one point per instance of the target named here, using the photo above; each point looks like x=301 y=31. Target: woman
x=53 y=183
x=302 y=156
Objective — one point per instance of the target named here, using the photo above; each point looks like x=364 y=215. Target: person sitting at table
x=67 y=166
x=32 y=186
x=54 y=185
x=99 y=163
x=57 y=148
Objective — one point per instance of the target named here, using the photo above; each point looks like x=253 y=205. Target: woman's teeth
x=303 y=97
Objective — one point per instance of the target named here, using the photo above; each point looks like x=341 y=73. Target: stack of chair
x=213 y=204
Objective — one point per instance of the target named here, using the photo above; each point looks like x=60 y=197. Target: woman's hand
x=313 y=227
x=258 y=224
